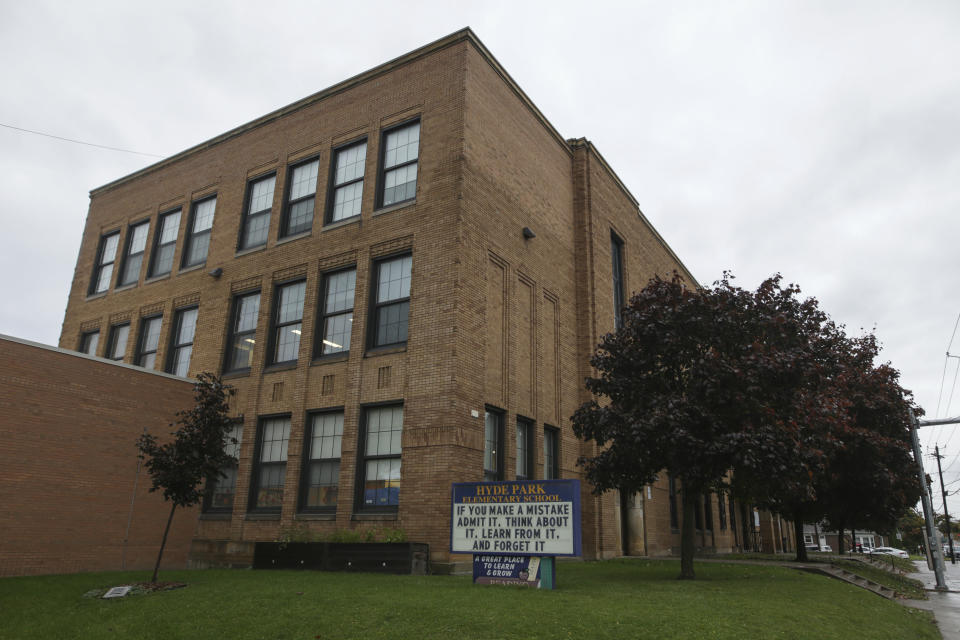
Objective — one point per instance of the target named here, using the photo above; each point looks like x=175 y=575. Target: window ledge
x=315 y=516
x=125 y=287
x=249 y=250
x=336 y=357
x=165 y=276
x=192 y=268
x=341 y=223
x=395 y=207
x=296 y=236
x=217 y=515
x=382 y=351
x=262 y=516
x=240 y=373
x=375 y=516
x=282 y=366
x=94 y=296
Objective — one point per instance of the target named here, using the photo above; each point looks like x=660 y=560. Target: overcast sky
x=818 y=140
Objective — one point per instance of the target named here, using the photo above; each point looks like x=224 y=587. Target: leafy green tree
x=195 y=453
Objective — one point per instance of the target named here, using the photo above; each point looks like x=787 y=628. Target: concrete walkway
x=944 y=605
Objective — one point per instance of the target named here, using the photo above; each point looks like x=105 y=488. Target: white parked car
x=889 y=551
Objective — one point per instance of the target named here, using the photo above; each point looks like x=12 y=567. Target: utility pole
x=933 y=545
x=946 y=514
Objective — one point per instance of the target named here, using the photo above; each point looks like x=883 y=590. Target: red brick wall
x=68 y=463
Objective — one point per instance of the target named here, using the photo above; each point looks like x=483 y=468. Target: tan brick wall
x=68 y=464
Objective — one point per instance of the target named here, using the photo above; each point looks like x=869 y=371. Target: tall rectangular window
x=524 y=449
x=256 y=219
x=89 y=342
x=616 y=251
x=181 y=343
x=380 y=467
x=399 y=152
x=301 y=194
x=106 y=256
x=243 y=331
x=117 y=348
x=164 y=244
x=270 y=465
x=133 y=257
x=492 y=445
x=148 y=342
x=672 y=496
x=346 y=181
x=551 y=453
x=287 y=322
x=336 y=321
x=197 y=244
x=321 y=469
x=222 y=488
x=391 y=301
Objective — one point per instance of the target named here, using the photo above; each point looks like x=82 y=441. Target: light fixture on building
x=528 y=233
x=216 y=273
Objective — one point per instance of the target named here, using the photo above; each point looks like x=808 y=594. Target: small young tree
x=196 y=452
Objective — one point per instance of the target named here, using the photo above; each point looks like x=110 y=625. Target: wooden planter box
x=375 y=557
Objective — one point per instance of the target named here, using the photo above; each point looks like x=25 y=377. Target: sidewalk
x=944 y=605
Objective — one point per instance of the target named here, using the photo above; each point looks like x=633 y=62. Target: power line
x=89 y=144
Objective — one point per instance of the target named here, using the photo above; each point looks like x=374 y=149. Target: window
x=270 y=464
x=301 y=193
x=321 y=469
x=492 y=445
x=524 y=449
x=708 y=512
x=256 y=221
x=164 y=244
x=398 y=161
x=391 y=305
x=222 y=488
x=287 y=322
x=89 y=342
x=133 y=257
x=149 y=339
x=380 y=467
x=181 y=347
x=616 y=251
x=336 y=321
x=672 y=492
x=243 y=331
x=118 y=341
x=197 y=244
x=346 y=180
x=106 y=255
x=551 y=453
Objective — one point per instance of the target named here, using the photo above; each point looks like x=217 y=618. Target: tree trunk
x=163 y=543
x=840 y=538
x=798 y=534
x=687 y=534
x=853 y=541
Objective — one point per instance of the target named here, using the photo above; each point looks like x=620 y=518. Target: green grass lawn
x=616 y=599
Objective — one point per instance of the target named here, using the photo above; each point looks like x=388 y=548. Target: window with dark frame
x=197 y=244
x=89 y=341
x=399 y=154
x=346 y=181
x=106 y=256
x=336 y=312
x=672 y=496
x=287 y=322
x=321 y=468
x=379 y=470
x=117 y=348
x=164 y=244
x=616 y=251
x=270 y=464
x=551 y=453
x=181 y=343
x=243 y=331
x=492 y=445
x=133 y=256
x=524 y=449
x=301 y=197
x=256 y=219
x=391 y=301
x=148 y=342
x=222 y=488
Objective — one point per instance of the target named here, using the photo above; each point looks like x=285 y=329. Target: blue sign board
x=524 y=571
x=522 y=518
